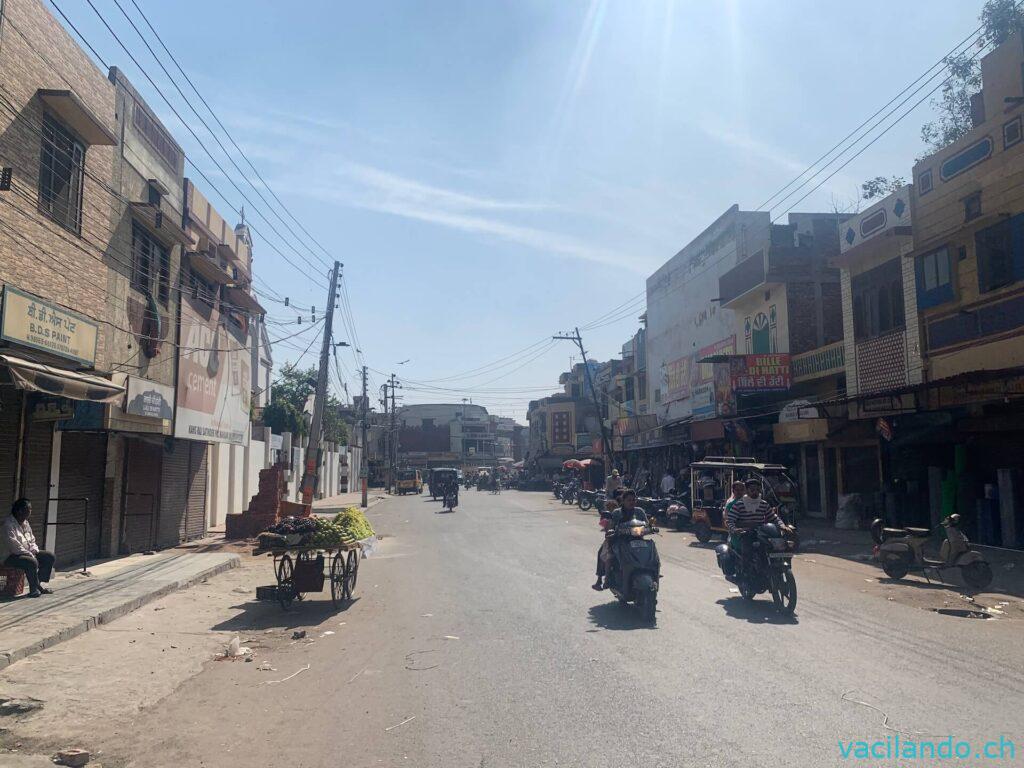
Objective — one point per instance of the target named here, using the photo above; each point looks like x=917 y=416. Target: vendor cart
x=303 y=569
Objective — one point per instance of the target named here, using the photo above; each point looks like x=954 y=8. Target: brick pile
x=265 y=508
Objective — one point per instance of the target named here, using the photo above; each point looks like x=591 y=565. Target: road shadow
x=266 y=614
x=755 y=611
x=615 y=615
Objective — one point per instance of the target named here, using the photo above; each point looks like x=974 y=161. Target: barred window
x=150 y=259
x=61 y=167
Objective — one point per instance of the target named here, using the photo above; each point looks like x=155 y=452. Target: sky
x=492 y=173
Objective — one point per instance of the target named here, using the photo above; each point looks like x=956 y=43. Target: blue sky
x=494 y=172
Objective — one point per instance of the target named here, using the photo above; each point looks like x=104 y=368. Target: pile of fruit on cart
x=347 y=527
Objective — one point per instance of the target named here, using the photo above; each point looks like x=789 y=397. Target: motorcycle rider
x=627 y=511
x=668 y=484
x=747 y=514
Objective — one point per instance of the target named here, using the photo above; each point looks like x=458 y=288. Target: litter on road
x=407 y=720
x=285 y=679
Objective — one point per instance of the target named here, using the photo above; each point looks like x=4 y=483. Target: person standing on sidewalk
x=18 y=548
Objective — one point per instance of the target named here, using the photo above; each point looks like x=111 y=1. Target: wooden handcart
x=301 y=570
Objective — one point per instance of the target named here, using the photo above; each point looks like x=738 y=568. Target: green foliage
x=288 y=397
x=999 y=19
x=880 y=187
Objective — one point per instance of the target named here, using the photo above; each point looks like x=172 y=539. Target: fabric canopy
x=36 y=377
x=571 y=464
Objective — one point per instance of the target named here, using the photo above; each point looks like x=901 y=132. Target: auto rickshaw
x=710 y=488
x=409 y=481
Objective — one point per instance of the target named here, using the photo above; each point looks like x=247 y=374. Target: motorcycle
x=569 y=492
x=585 y=499
x=451 y=498
x=901 y=550
x=634 y=573
x=767 y=567
x=557 y=487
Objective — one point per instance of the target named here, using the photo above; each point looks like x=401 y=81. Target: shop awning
x=36 y=377
x=206 y=267
x=244 y=300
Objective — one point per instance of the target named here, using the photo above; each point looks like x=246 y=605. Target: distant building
x=460 y=434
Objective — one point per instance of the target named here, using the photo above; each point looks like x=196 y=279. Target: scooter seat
x=920 y=532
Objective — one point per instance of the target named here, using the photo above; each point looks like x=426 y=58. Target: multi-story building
x=968 y=260
x=452 y=434
x=57 y=250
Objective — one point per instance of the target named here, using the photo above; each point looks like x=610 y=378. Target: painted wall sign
x=214 y=385
x=149 y=398
x=32 y=322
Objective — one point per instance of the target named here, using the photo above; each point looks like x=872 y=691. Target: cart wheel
x=351 y=573
x=337 y=579
x=285 y=590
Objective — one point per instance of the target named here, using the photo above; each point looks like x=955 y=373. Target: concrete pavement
x=114 y=588
x=474 y=639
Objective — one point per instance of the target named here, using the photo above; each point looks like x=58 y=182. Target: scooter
x=635 y=572
x=901 y=550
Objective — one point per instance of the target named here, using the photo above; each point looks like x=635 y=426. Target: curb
x=108 y=615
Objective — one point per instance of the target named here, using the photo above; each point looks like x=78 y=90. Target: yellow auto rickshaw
x=711 y=486
x=409 y=481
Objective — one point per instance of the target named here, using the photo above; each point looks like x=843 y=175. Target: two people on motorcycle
x=628 y=510
x=747 y=511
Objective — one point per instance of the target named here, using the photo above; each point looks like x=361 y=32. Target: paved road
x=477 y=641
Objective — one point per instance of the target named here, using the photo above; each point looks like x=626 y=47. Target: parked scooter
x=634 y=573
x=670 y=510
x=901 y=550
x=768 y=566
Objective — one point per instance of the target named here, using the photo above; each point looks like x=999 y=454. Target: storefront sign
x=677 y=378
x=703 y=400
x=970 y=392
x=47 y=408
x=214 y=384
x=760 y=373
x=800 y=431
x=32 y=322
x=149 y=398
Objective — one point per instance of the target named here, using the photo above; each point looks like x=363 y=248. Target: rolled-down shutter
x=82 y=461
x=142 y=495
x=195 y=516
x=173 y=495
x=35 y=481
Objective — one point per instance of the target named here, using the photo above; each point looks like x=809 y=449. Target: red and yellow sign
x=760 y=373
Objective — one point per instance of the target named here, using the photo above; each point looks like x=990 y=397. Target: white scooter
x=901 y=550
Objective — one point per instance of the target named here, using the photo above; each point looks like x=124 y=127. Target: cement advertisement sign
x=214 y=386
x=32 y=322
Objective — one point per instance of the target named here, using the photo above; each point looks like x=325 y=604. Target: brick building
x=57 y=138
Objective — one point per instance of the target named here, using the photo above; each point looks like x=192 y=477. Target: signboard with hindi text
x=760 y=373
x=32 y=322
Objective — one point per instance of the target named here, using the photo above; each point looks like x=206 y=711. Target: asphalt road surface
x=476 y=641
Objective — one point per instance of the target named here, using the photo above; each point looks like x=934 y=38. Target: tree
x=288 y=396
x=999 y=19
x=880 y=187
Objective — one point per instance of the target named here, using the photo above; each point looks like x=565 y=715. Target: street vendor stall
x=310 y=552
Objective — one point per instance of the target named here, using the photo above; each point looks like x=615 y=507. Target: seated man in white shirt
x=18 y=548
x=668 y=484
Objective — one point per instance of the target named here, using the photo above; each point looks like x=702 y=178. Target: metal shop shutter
x=10 y=421
x=142 y=495
x=195 y=516
x=35 y=481
x=173 y=494
x=83 y=458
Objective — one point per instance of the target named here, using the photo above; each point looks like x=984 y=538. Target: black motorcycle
x=767 y=566
x=585 y=499
x=634 y=572
x=451 y=497
x=569 y=492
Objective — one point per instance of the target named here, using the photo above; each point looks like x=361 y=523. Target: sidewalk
x=114 y=588
x=334 y=504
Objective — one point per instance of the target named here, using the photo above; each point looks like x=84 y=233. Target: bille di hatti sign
x=32 y=322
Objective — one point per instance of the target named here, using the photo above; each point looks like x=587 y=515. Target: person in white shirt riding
x=18 y=548
x=668 y=484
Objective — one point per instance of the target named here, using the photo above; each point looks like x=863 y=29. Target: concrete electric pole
x=605 y=442
x=364 y=461
x=309 y=476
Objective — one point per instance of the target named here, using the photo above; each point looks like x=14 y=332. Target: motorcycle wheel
x=703 y=532
x=648 y=605
x=680 y=523
x=746 y=592
x=783 y=588
x=585 y=503
x=977 y=575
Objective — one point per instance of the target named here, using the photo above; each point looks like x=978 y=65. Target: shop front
x=43 y=350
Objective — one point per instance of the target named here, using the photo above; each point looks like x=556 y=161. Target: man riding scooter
x=627 y=511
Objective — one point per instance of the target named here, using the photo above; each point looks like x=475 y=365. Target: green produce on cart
x=354 y=523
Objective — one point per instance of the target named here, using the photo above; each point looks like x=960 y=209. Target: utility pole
x=394 y=427
x=364 y=461
x=605 y=442
x=387 y=438
x=309 y=477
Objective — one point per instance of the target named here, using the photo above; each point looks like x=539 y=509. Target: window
x=924 y=182
x=972 y=206
x=149 y=259
x=994 y=248
x=657 y=395
x=877 y=301
x=61 y=167
x=1011 y=133
x=934 y=282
